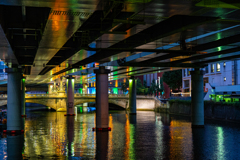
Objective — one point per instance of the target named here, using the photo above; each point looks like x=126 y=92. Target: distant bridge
x=58 y=102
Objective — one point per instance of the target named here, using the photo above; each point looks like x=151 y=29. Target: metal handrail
x=87 y=95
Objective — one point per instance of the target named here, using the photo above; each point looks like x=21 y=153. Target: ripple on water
x=148 y=135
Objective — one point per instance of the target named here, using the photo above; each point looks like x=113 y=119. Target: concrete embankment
x=212 y=110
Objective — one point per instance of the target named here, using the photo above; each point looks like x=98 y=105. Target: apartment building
x=221 y=81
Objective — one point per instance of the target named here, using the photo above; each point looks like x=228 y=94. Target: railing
x=145 y=96
x=38 y=95
x=84 y=95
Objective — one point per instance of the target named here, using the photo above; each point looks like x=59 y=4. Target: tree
x=140 y=87
x=153 y=87
x=145 y=84
x=173 y=79
x=124 y=86
x=161 y=88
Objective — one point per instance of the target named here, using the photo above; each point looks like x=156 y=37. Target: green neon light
x=217 y=4
x=80 y=90
x=219 y=49
x=115 y=90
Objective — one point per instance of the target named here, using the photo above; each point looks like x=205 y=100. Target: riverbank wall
x=212 y=110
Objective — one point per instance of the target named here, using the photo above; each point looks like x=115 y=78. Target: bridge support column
x=70 y=96
x=14 y=100
x=102 y=98
x=15 y=146
x=23 y=113
x=132 y=95
x=197 y=98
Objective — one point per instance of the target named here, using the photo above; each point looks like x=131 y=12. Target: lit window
x=224 y=78
x=218 y=67
x=184 y=72
x=188 y=72
x=212 y=68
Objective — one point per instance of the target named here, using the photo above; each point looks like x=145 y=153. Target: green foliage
x=140 y=88
x=161 y=88
x=124 y=86
x=146 y=91
x=152 y=88
x=173 y=79
x=145 y=84
x=155 y=87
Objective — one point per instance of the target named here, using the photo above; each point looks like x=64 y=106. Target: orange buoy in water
x=4 y=121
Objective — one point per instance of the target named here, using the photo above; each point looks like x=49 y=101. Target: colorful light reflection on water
x=149 y=135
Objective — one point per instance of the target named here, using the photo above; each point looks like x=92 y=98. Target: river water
x=147 y=136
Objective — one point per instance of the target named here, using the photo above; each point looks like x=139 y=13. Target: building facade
x=156 y=77
x=3 y=75
x=220 y=79
x=115 y=85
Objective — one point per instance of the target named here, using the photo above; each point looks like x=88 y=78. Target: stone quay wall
x=212 y=110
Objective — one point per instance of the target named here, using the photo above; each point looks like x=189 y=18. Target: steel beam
x=227 y=51
x=177 y=52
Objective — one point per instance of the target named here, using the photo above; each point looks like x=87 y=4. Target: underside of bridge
x=50 y=39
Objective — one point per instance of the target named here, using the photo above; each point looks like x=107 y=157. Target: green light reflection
x=132 y=142
x=220 y=141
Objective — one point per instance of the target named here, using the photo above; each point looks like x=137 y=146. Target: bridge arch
x=57 y=104
x=32 y=105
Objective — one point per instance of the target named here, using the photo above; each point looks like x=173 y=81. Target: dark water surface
x=149 y=135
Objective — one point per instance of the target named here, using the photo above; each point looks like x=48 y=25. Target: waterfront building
x=3 y=75
x=115 y=85
x=221 y=81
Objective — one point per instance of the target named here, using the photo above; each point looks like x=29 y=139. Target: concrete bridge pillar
x=15 y=146
x=101 y=145
x=14 y=100
x=70 y=96
x=132 y=95
x=23 y=97
x=70 y=135
x=197 y=98
x=102 y=98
